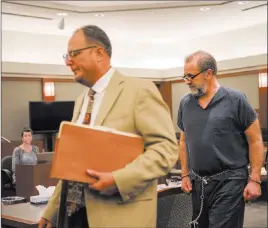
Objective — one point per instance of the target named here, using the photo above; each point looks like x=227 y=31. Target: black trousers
x=78 y=219
x=224 y=205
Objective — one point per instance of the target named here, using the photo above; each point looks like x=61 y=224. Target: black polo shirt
x=215 y=138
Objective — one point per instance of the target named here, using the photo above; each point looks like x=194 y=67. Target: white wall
x=247 y=84
x=178 y=90
x=227 y=66
x=48 y=49
x=18 y=69
x=68 y=91
x=14 y=107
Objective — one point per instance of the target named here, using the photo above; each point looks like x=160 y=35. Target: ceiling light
x=99 y=15
x=62 y=14
x=243 y=2
x=204 y=8
x=61 y=24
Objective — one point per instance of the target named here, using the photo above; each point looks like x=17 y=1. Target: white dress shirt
x=99 y=87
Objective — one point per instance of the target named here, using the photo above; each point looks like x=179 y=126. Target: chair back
x=264 y=132
x=174 y=209
x=266 y=160
x=6 y=163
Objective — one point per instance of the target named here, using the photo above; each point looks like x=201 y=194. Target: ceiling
x=109 y=3
x=150 y=24
x=159 y=25
x=108 y=6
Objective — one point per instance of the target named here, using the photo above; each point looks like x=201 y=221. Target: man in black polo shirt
x=220 y=136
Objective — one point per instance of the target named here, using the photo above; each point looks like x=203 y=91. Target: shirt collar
x=103 y=82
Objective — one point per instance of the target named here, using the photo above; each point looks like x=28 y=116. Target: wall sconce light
x=262 y=80
x=48 y=90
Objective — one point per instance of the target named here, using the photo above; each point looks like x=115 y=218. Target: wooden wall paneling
x=4 y=78
x=263 y=95
x=64 y=80
x=165 y=90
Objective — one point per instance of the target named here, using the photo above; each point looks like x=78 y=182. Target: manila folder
x=80 y=147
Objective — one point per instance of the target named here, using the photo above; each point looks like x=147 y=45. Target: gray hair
x=96 y=34
x=204 y=60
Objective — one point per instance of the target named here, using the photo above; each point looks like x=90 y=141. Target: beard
x=197 y=91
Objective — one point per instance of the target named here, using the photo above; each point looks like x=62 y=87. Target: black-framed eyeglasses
x=191 y=76
x=76 y=52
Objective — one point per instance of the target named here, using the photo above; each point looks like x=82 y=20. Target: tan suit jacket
x=136 y=106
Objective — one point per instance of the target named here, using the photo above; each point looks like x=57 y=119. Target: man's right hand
x=43 y=223
x=186 y=184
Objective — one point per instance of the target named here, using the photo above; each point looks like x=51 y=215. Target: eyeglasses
x=191 y=76
x=76 y=52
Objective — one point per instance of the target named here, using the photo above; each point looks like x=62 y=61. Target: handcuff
x=258 y=182
x=186 y=175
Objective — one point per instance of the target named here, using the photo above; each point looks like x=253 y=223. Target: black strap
x=62 y=208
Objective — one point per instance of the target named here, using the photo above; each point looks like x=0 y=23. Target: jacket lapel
x=78 y=106
x=111 y=94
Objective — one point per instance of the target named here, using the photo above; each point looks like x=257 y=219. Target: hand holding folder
x=80 y=147
x=105 y=182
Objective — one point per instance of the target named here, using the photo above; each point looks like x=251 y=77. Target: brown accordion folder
x=79 y=147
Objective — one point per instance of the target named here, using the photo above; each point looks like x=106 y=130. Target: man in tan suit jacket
x=125 y=197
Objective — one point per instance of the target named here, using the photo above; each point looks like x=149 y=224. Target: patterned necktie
x=75 y=193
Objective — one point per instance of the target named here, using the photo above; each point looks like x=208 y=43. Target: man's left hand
x=252 y=191
x=105 y=182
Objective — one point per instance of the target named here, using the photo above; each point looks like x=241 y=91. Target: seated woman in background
x=25 y=154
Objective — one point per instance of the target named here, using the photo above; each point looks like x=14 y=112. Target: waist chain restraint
x=204 y=181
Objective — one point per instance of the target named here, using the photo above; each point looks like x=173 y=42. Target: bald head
x=89 y=54
x=204 y=60
x=95 y=34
